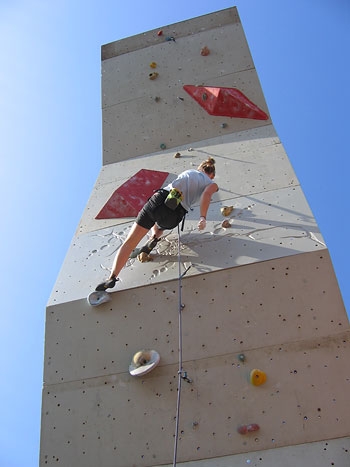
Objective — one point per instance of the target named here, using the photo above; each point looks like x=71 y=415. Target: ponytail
x=208 y=166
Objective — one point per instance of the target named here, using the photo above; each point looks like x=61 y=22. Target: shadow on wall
x=210 y=251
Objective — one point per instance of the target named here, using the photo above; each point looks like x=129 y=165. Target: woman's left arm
x=205 y=202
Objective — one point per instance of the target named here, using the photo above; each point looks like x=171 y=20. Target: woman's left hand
x=202 y=223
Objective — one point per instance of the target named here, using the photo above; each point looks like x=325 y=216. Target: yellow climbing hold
x=257 y=377
x=153 y=65
x=226 y=210
x=143 y=257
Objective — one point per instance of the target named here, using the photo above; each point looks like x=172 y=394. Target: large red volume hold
x=129 y=198
x=225 y=102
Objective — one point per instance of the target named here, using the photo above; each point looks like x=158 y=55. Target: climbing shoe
x=108 y=284
x=146 y=248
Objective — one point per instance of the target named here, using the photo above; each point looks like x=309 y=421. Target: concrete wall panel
x=126 y=77
x=129 y=95
x=182 y=29
x=265 y=226
x=120 y=420
x=319 y=454
x=189 y=122
x=272 y=302
x=248 y=162
x=267 y=222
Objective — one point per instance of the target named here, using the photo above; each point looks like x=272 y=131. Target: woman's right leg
x=135 y=235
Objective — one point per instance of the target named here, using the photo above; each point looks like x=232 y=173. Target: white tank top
x=191 y=183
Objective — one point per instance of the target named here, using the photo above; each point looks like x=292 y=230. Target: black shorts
x=156 y=212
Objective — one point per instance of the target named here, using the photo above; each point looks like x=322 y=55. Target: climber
x=164 y=211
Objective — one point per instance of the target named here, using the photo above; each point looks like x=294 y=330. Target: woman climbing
x=164 y=211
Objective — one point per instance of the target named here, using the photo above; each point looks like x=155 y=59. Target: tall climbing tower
x=264 y=334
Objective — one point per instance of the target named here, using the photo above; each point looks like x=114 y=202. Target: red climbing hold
x=129 y=198
x=205 y=51
x=225 y=102
x=244 y=429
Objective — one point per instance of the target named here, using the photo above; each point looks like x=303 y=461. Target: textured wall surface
x=140 y=114
x=331 y=452
x=259 y=293
x=270 y=219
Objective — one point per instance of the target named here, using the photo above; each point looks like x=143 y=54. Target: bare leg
x=135 y=235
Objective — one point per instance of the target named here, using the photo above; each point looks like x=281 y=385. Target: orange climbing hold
x=225 y=102
x=205 y=51
x=257 y=377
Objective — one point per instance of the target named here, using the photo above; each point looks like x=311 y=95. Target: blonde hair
x=208 y=166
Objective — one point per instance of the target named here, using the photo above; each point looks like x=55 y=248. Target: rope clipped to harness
x=182 y=226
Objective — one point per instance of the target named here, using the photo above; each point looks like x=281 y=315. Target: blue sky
x=51 y=148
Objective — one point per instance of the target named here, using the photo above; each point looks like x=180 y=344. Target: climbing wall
x=265 y=335
x=145 y=107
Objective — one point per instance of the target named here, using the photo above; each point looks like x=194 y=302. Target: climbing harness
x=173 y=199
x=182 y=375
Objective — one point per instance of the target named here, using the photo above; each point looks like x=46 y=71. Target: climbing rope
x=181 y=374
